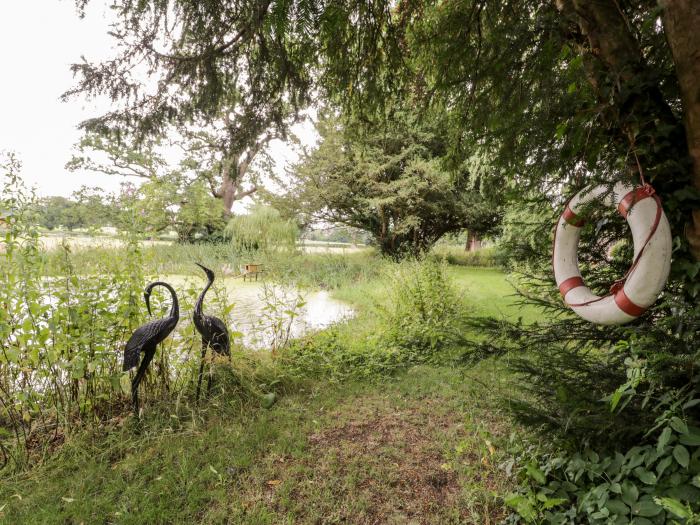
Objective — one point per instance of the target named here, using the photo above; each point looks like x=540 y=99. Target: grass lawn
x=490 y=293
x=422 y=447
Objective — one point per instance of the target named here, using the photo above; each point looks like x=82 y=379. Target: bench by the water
x=250 y=270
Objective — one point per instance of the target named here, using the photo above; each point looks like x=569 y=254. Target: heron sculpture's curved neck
x=200 y=299
x=175 y=307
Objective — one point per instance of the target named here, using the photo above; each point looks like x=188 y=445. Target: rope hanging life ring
x=640 y=287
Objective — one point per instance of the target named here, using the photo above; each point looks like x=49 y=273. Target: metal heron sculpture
x=146 y=338
x=212 y=329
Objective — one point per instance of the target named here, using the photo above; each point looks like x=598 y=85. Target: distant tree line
x=86 y=208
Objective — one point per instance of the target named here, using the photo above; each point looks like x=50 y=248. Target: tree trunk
x=228 y=192
x=232 y=175
x=682 y=26
x=474 y=243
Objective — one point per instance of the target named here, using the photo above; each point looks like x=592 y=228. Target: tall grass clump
x=411 y=313
x=425 y=313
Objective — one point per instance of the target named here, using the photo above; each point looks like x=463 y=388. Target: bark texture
x=682 y=25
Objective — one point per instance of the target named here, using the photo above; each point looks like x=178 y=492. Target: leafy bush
x=420 y=319
x=650 y=484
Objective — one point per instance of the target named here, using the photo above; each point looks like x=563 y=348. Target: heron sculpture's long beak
x=209 y=273
x=206 y=270
x=147 y=298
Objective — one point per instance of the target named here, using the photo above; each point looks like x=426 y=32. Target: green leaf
x=663 y=465
x=646 y=508
x=691 y=403
x=616 y=506
x=664 y=438
x=522 y=506
x=615 y=398
x=680 y=453
x=679 y=425
x=561 y=130
x=645 y=476
x=630 y=493
x=535 y=473
x=696 y=481
x=673 y=506
x=692 y=439
x=553 y=502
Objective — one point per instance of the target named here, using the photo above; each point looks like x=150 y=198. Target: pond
x=267 y=314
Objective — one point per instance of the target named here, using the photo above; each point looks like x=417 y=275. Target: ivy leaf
x=680 y=453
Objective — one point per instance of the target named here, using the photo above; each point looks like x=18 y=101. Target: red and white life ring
x=643 y=282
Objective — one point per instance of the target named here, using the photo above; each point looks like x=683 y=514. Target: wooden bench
x=250 y=270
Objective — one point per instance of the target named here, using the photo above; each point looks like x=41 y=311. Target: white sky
x=39 y=39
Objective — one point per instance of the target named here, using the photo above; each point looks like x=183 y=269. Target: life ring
x=640 y=287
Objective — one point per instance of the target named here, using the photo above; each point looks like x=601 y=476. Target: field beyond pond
x=361 y=422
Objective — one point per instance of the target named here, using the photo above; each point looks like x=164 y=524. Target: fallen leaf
x=490 y=446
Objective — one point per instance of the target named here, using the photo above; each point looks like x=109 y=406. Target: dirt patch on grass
x=396 y=462
x=380 y=463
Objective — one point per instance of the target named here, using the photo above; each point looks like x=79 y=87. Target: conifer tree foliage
x=552 y=92
x=390 y=180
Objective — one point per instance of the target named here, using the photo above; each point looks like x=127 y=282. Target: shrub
x=649 y=484
x=425 y=314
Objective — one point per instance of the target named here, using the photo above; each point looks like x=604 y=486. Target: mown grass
x=423 y=446
x=420 y=446
x=490 y=293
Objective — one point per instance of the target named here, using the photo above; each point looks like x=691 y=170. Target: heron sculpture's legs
x=201 y=369
x=209 y=378
x=147 y=358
